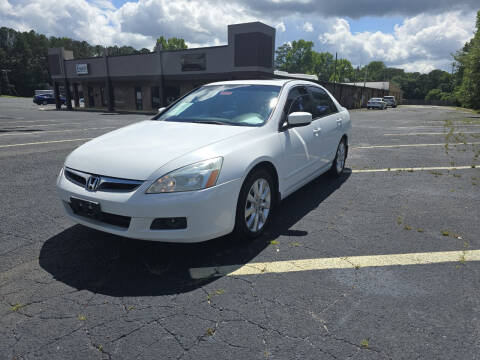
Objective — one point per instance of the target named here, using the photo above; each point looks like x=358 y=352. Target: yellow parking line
x=417 y=169
x=432 y=133
x=350 y=262
x=410 y=145
x=44 y=142
x=54 y=131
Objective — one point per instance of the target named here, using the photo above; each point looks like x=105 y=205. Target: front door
x=325 y=116
x=300 y=158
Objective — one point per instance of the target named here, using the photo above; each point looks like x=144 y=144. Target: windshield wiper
x=216 y=122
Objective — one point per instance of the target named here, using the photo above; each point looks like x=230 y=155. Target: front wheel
x=338 y=164
x=255 y=203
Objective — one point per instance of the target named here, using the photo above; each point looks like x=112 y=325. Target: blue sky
x=413 y=35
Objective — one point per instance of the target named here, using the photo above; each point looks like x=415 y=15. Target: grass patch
x=274 y=242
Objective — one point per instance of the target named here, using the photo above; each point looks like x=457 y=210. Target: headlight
x=201 y=175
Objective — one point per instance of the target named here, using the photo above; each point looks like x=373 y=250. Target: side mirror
x=161 y=109
x=299 y=119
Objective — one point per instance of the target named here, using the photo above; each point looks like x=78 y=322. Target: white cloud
x=420 y=43
x=308 y=27
x=281 y=27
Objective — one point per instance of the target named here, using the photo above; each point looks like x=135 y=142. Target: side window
x=322 y=103
x=298 y=100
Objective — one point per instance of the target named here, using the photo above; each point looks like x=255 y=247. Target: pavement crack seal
x=355 y=262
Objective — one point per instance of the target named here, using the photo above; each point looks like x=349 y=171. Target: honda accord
x=216 y=161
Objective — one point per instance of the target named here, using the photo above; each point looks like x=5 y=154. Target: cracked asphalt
x=69 y=292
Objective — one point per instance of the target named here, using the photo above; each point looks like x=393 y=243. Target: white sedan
x=217 y=160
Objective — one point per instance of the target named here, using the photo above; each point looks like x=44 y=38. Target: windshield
x=241 y=105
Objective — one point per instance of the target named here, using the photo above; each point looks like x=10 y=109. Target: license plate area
x=86 y=208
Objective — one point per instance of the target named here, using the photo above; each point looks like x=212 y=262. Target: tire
x=338 y=166
x=251 y=226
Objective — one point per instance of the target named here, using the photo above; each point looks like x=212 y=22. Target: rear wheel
x=338 y=164
x=255 y=203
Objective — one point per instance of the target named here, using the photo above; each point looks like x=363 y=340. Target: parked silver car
x=390 y=100
x=376 y=103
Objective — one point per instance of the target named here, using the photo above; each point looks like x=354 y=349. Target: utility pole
x=335 y=70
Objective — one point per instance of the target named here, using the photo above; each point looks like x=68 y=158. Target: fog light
x=173 y=223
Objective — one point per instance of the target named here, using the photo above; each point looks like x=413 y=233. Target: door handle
x=316 y=131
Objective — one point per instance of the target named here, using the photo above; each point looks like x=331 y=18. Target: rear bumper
x=210 y=213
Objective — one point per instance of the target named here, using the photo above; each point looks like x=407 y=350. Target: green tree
x=282 y=56
x=296 y=57
x=344 y=73
x=323 y=65
x=171 y=43
x=469 y=90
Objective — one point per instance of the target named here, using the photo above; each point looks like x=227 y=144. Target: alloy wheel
x=257 y=207
x=341 y=152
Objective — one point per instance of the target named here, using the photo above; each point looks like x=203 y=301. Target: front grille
x=75 y=178
x=105 y=184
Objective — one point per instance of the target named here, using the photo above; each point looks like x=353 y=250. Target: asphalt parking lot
x=411 y=194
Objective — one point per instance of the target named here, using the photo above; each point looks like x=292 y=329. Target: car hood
x=137 y=151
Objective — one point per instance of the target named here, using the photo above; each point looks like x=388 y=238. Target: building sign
x=193 y=62
x=82 y=69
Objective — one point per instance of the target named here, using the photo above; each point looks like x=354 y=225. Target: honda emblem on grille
x=92 y=183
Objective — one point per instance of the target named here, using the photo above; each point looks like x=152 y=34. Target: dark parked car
x=44 y=99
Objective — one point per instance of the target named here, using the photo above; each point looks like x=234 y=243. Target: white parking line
x=433 y=133
x=418 y=169
x=17 y=126
x=351 y=262
x=54 y=131
x=44 y=142
x=410 y=145
x=435 y=126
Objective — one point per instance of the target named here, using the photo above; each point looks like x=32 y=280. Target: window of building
x=102 y=96
x=91 y=98
x=155 y=97
x=138 y=98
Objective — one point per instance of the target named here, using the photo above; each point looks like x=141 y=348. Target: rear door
x=327 y=122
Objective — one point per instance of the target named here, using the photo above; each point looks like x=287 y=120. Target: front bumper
x=210 y=212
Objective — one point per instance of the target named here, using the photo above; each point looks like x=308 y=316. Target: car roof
x=278 y=82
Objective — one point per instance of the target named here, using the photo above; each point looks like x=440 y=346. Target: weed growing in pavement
x=407 y=227
x=365 y=343
x=420 y=230
x=274 y=242
x=210 y=332
x=16 y=307
x=82 y=318
x=399 y=220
